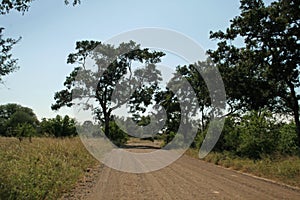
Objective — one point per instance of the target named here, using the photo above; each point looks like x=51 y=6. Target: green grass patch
x=43 y=169
x=285 y=169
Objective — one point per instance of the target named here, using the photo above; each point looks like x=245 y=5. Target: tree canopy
x=263 y=71
x=112 y=73
x=14 y=115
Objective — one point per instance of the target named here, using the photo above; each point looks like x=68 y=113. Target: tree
x=58 y=126
x=168 y=100
x=195 y=78
x=12 y=115
x=147 y=80
x=25 y=130
x=23 y=5
x=264 y=71
x=7 y=63
x=21 y=117
x=112 y=73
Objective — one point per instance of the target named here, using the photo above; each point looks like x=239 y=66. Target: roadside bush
x=254 y=135
x=117 y=135
x=258 y=135
x=287 y=139
x=229 y=138
x=198 y=140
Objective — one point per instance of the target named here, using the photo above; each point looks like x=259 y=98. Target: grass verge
x=43 y=169
x=284 y=169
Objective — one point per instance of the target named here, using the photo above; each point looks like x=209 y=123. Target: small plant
x=25 y=130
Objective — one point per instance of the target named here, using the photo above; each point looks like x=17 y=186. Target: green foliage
x=58 y=126
x=287 y=141
x=147 y=80
x=89 y=130
x=258 y=135
x=7 y=63
x=230 y=135
x=264 y=70
x=198 y=140
x=168 y=100
x=25 y=130
x=254 y=135
x=169 y=136
x=19 y=5
x=21 y=117
x=113 y=64
x=116 y=135
x=14 y=116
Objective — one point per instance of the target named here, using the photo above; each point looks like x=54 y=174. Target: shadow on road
x=140 y=146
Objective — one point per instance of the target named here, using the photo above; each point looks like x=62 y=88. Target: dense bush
x=25 y=130
x=14 y=119
x=94 y=130
x=254 y=135
x=117 y=135
x=287 y=140
x=258 y=135
x=58 y=126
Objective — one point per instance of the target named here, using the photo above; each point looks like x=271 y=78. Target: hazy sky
x=50 y=29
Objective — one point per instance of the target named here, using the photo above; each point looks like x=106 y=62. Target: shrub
x=117 y=135
x=287 y=141
x=58 y=126
x=258 y=134
x=25 y=130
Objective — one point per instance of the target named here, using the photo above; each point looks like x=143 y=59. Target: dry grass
x=43 y=169
x=285 y=169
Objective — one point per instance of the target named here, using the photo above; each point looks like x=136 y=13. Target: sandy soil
x=187 y=178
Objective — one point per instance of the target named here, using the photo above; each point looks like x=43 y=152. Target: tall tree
x=264 y=70
x=112 y=73
x=12 y=115
x=194 y=74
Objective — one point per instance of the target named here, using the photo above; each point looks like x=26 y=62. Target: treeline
x=19 y=121
x=257 y=57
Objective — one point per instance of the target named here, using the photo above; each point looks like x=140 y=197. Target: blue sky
x=50 y=29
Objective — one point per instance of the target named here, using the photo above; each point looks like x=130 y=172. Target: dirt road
x=187 y=178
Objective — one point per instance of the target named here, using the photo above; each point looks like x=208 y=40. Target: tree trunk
x=298 y=127
x=297 y=122
x=202 y=119
x=295 y=107
x=106 y=127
